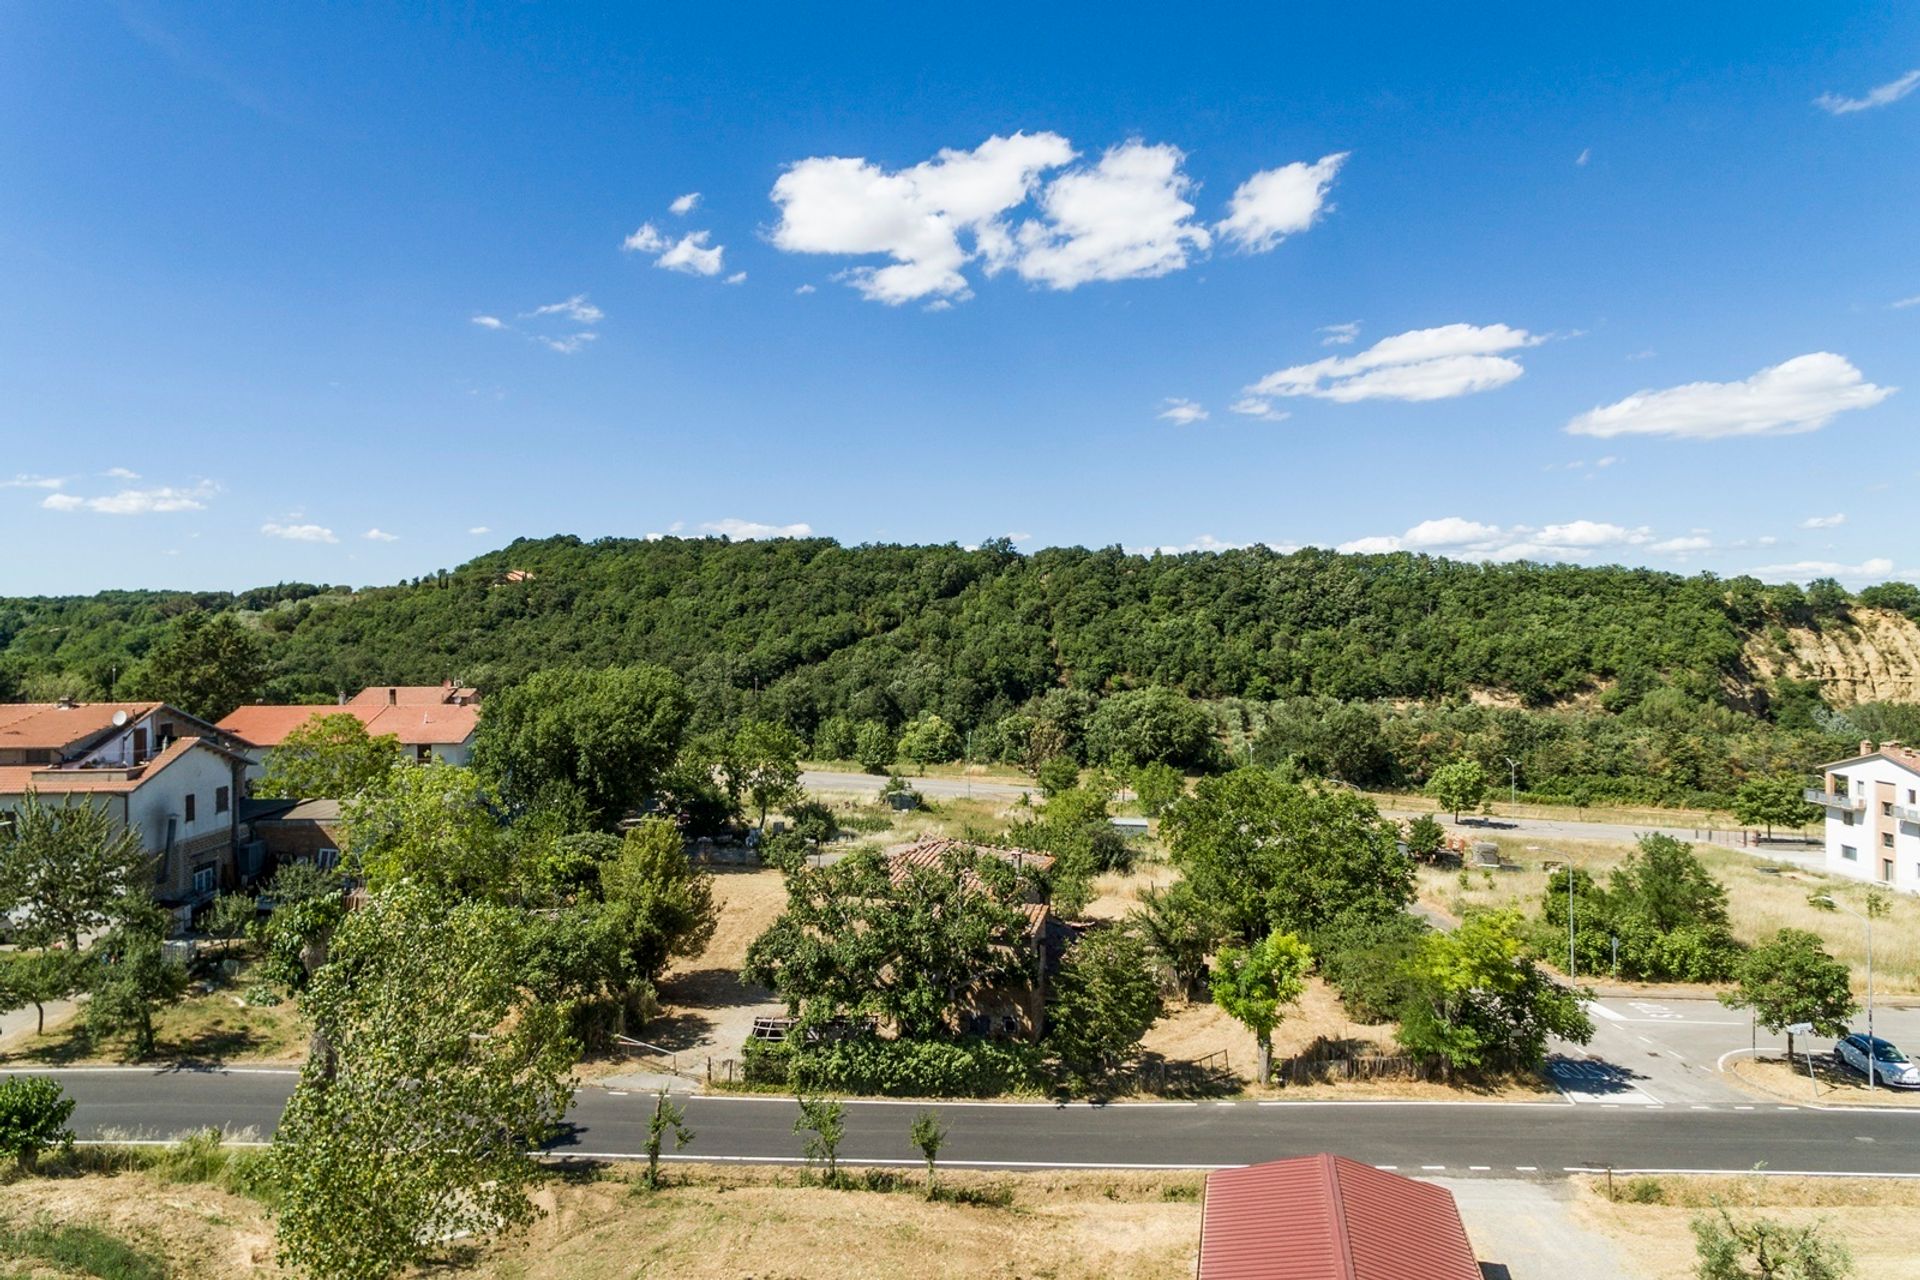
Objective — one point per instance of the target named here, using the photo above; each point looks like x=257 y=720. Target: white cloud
x=744 y=530
x=1683 y=546
x=1883 y=95
x=646 y=238
x=1125 y=218
x=804 y=289
x=1019 y=537
x=1474 y=539
x=576 y=309
x=1802 y=394
x=299 y=532
x=1181 y=412
x=479 y=529
x=1903 y=303
x=1423 y=364
x=162 y=500
x=568 y=344
x=1607 y=461
x=1833 y=521
x=918 y=216
x=1255 y=407
x=738 y=277
x=1586 y=154
x=1800 y=569
x=1276 y=203
x=1339 y=335
x=691 y=254
x=490 y=322
x=26 y=481
x=380 y=535
x=120 y=473
x=1207 y=542
x=685 y=205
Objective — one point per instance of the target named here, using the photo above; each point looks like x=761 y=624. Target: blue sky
x=301 y=292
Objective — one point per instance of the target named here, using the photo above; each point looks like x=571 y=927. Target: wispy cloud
x=568 y=344
x=1586 y=154
x=545 y=322
x=747 y=530
x=161 y=500
x=1424 y=364
x=1801 y=394
x=479 y=529
x=298 y=532
x=490 y=322
x=1473 y=539
x=1181 y=412
x=1833 y=521
x=120 y=473
x=27 y=481
x=380 y=535
x=1876 y=567
x=685 y=205
x=1880 y=96
x=1339 y=335
x=576 y=309
x=1255 y=407
x=1904 y=303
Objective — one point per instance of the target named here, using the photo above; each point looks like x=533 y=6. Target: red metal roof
x=1326 y=1217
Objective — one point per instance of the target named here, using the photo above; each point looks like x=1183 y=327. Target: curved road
x=1546 y=1139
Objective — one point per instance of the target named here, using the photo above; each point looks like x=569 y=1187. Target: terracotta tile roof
x=413 y=695
x=48 y=726
x=933 y=852
x=414 y=725
x=53 y=780
x=1326 y=1217
x=1898 y=752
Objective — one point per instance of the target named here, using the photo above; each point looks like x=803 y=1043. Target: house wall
x=1876 y=842
x=203 y=843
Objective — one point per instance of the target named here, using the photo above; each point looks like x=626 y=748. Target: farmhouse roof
x=112 y=779
x=49 y=726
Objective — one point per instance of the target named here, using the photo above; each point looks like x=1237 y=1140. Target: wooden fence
x=1321 y=1070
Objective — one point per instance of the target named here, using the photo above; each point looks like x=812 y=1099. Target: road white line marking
x=1526 y=1168
x=1388 y=1167
x=1594 y=1006
x=1479 y=1168
x=1743 y=1108
x=1786 y=1108
x=149 y=1071
x=1700 y=1106
x=1430 y=1168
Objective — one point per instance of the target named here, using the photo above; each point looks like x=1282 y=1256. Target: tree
x=668 y=1117
x=1791 y=980
x=330 y=757
x=134 y=980
x=1426 y=838
x=761 y=763
x=927 y=739
x=1157 y=786
x=1266 y=855
x=33 y=1119
x=1178 y=929
x=1253 y=984
x=1155 y=725
x=1670 y=914
x=874 y=747
x=1761 y=1249
x=1076 y=829
x=1458 y=786
x=662 y=902
x=825 y=1123
x=855 y=941
x=607 y=735
x=835 y=739
x=229 y=918
x=434 y=1071
x=205 y=664
x=1056 y=774
x=1104 y=999
x=928 y=1135
x=69 y=868
x=39 y=978
x=1770 y=802
x=1480 y=1004
x=434 y=823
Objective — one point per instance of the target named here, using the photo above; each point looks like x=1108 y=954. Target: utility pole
x=1513 y=782
x=1828 y=900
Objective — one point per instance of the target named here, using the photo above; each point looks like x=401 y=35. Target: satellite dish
x=119 y=719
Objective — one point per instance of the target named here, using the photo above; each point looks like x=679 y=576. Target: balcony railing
x=1906 y=813
x=1815 y=795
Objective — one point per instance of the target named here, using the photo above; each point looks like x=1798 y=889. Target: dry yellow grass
x=1830 y=1086
x=200 y=1230
x=1759 y=902
x=216 y=1027
x=1877 y=1219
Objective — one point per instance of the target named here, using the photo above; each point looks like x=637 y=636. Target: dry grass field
x=214 y=1027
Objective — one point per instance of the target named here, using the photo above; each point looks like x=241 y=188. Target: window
x=204 y=878
x=189 y=806
x=1886 y=808
x=1846 y=817
x=1886 y=870
x=220 y=799
x=1850 y=853
x=1910 y=797
x=1886 y=839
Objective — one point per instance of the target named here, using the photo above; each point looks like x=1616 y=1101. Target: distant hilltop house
x=155 y=770
x=1873 y=815
x=432 y=722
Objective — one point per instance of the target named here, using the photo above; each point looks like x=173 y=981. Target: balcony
x=1906 y=813
x=1815 y=795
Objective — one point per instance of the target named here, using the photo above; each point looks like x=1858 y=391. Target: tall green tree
x=760 y=765
x=662 y=902
x=1479 y=1003
x=1791 y=979
x=608 y=735
x=133 y=980
x=928 y=739
x=435 y=1071
x=436 y=824
x=206 y=664
x=1762 y=1249
x=1103 y=1001
x=1255 y=984
x=330 y=757
x=1268 y=855
x=1155 y=725
x=68 y=869
x=1771 y=802
x=1179 y=930
x=1458 y=785
x=40 y=977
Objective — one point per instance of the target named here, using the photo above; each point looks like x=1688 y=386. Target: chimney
x=66 y=702
x=1866 y=746
x=393 y=697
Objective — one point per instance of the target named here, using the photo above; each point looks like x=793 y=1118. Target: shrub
x=1057 y=774
x=1157 y=786
x=33 y=1118
x=964 y=1067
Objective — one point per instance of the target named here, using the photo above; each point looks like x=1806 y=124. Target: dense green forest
x=1611 y=681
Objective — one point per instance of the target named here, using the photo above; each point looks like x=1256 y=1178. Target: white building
x=1873 y=815
x=431 y=722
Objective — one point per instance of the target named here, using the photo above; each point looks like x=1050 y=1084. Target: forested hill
x=801 y=629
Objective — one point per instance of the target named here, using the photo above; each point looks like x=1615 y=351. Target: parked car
x=1890 y=1066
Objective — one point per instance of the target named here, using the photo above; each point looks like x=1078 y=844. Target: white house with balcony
x=1872 y=804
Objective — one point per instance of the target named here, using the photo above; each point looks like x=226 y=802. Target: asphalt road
x=1458 y=1139
x=869 y=784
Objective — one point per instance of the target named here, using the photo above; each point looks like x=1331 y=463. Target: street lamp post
x=1866 y=917
x=1513 y=782
x=1567 y=867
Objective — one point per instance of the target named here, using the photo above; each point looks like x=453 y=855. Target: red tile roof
x=48 y=726
x=52 y=780
x=413 y=695
x=1326 y=1217
x=933 y=852
x=414 y=725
